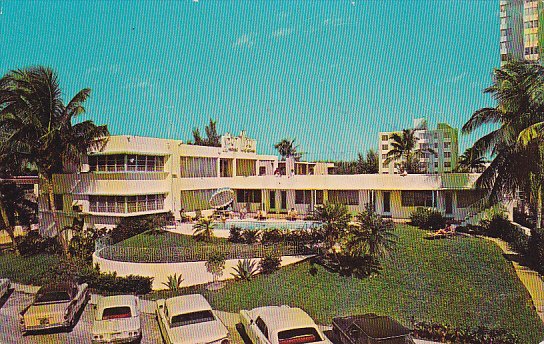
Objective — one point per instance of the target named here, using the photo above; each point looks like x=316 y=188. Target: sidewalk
x=531 y=279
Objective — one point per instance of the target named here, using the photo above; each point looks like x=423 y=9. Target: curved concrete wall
x=193 y=272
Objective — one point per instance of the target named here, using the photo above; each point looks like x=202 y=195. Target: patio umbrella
x=221 y=198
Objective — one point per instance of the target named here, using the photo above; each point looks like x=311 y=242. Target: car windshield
x=299 y=336
x=53 y=296
x=192 y=318
x=116 y=313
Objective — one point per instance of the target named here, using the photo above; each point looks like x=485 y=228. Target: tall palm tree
x=212 y=138
x=203 y=229
x=470 y=162
x=380 y=233
x=286 y=148
x=39 y=125
x=518 y=88
x=405 y=149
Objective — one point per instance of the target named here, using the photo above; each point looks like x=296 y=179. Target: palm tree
x=470 y=162
x=405 y=150
x=381 y=238
x=334 y=219
x=203 y=229
x=516 y=159
x=212 y=138
x=287 y=149
x=15 y=209
x=39 y=125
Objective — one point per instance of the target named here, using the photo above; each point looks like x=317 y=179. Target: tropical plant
x=212 y=138
x=363 y=165
x=516 y=159
x=15 y=209
x=82 y=244
x=174 y=282
x=250 y=236
x=203 y=229
x=427 y=218
x=134 y=225
x=38 y=125
x=380 y=233
x=287 y=149
x=405 y=150
x=334 y=219
x=245 y=270
x=215 y=265
x=269 y=264
x=469 y=161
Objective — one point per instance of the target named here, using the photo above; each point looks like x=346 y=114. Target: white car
x=117 y=320
x=189 y=319
x=55 y=305
x=5 y=284
x=281 y=325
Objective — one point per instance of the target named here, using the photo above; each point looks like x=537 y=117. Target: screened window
x=347 y=197
x=303 y=197
x=192 y=200
x=318 y=196
x=124 y=204
x=191 y=167
x=248 y=196
x=123 y=163
x=417 y=198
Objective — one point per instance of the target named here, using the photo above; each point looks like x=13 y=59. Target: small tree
x=203 y=229
x=380 y=238
x=334 y=219
x=216 y=265
x=287 y=149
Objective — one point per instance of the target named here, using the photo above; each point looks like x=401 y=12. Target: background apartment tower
x=443 y=140
x=521 y=33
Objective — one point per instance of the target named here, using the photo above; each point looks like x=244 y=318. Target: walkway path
x=530 y=279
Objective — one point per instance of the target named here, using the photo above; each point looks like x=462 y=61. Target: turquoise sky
x=330 y=74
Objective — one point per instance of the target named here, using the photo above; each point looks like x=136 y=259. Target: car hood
x=48 y=309
x=205 y=332
x=116 y=325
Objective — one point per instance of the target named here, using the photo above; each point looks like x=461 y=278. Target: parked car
x=117 y=320
x=370 y=329
x=281 y=325
x=55 y=306
x=5 y=284
x=189 y=319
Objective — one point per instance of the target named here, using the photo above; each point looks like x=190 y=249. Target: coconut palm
x=212 y=138
x=203 y=229
x=405 y=150
x=38 y=125
x=334 y=219
x=469 y=161
x=381 y=238
x=287 y=149
x=518 y=89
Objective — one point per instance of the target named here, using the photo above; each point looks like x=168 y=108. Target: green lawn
x=460 y=281
x=173 y=247
x=28 y=270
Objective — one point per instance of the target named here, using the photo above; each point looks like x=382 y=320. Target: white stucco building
x=140 y=175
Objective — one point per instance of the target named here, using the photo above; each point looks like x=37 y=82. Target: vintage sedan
x=281 y=325
x=55 y=306
x=117 y=320
x=5 y=284
x=189 y=319
x=370 y=329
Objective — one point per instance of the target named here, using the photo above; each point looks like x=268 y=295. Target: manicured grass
x=173 y=247
x=461 y=281
x=33 y=270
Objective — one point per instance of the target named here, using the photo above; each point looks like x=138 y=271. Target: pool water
x=261 y=225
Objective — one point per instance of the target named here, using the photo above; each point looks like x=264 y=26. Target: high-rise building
x=443 y=141
x=521 y=35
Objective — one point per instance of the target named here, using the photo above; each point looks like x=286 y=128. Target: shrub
x=82 y=243
x=449 y=334
x=235 y=235
x=33 y=243
x=216 y=264
x=131 y=226
x=427 y=218
x=535 y=251
x=500 y=227
x=250 y=236
x=272 y=235
x=110 y=282
x=270 y=264
x=245 y=270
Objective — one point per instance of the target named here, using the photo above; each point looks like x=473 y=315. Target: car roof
x=374 y=326
x=116 y=301
x=54 y=287
x=278 y=318
x=187 y=304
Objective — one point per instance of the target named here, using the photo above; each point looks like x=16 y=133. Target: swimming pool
x=261 y=225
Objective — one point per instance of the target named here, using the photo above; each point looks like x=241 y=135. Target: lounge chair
x=447 y=232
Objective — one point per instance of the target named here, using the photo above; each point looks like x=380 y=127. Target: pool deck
x=187 y=228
